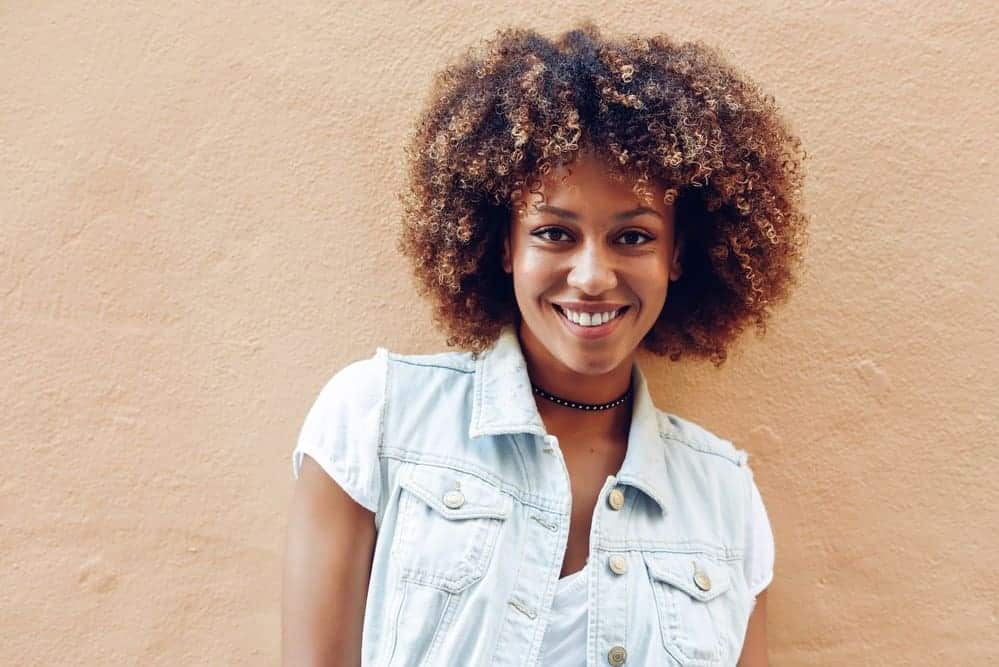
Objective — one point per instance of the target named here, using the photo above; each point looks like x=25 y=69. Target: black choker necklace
x=581 y=406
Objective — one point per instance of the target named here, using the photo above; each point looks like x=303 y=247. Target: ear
x=675 y=267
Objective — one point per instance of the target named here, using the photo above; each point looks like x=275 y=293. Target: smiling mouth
x=592 y=330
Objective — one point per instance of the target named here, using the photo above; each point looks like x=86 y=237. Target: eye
x=549 y=230
x=635 y=233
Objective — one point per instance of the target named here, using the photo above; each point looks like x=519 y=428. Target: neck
x=555 y=378
x=567 y=423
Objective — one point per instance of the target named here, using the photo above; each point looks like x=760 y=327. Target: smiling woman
x=592 y=247
x=674 y=122
x=522 y=500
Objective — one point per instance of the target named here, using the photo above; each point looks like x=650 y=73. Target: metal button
x=615 y=499
x=617 y=655
x=702 y=580
x=618 y=564
x=454 y=499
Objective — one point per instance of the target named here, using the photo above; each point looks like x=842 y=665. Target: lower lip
x=590 y=332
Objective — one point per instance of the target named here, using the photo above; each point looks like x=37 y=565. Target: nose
x=593 y=270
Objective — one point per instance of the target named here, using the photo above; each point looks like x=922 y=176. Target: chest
x=589 y=461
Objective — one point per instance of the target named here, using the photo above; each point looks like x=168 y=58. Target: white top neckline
x=569 y=587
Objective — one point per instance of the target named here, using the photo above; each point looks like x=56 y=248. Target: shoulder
x=357 y=379
x=369 y=374
x=417 y=385
x=698 y=440
x=373 y=385
x=363 y=383
x=356 y=390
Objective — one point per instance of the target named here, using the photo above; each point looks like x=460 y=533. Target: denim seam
x=430 y=365
x=726 y=554
x=380 y=442
x=438 y=633
x=734 y=460
x=594 y=619
x=400 y=592
x=500 y=634
x=520 y=460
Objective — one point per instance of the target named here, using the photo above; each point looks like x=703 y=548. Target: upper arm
x=332 y=518
x=328 y=551
x=754 y=649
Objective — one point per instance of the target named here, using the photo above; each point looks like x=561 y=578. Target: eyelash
x=539 y=233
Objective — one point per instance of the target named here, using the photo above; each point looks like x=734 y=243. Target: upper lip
x=590 y=306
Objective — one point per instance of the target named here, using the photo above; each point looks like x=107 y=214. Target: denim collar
x=503 y=403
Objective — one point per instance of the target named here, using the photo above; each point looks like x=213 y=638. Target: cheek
x=651 y=282
x=533 y=271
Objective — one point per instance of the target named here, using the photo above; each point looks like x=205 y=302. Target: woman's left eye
x=634 y=233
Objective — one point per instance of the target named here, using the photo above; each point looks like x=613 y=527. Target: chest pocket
x=450 y=522
x=690 y=592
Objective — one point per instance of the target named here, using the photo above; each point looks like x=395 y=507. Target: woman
x=522 y=501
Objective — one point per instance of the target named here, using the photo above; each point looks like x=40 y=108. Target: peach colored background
x=198 y=214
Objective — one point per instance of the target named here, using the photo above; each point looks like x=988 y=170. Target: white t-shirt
x=565 y=639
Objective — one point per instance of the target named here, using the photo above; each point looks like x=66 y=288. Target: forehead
x=591 y=182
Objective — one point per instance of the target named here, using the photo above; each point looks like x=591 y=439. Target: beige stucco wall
x=197 y=215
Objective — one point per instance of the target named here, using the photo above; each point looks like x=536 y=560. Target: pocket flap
x=456 y=495
x=700 y=576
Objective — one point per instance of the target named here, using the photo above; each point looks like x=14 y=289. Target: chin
x=593 y=363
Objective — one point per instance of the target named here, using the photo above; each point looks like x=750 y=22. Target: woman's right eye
x=549 y=230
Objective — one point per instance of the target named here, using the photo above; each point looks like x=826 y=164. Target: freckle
x=592 y=450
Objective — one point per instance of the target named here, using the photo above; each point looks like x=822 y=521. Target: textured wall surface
x=197 y=217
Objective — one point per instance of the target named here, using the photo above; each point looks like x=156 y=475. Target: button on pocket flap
x=699 y=576
x=457 y=495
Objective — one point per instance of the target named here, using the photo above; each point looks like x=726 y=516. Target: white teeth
x=591 y=319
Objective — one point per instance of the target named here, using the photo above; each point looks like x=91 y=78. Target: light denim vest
x=472 y=512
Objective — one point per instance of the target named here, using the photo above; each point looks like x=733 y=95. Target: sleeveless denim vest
x=471 y=499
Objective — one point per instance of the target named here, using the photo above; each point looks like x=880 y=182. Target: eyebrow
x=569 y=215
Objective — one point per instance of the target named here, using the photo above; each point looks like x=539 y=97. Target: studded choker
x=581 y=406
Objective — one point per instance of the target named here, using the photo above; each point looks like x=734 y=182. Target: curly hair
x=519 y=105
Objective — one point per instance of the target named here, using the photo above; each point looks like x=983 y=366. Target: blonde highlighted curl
x=519 y=105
